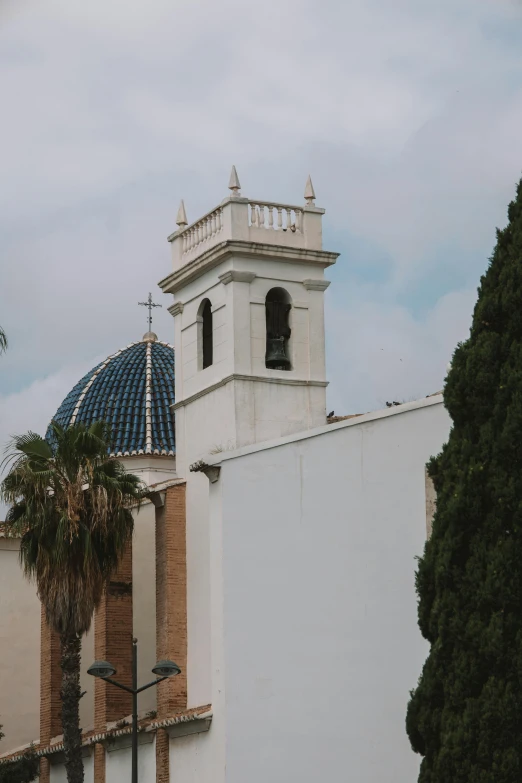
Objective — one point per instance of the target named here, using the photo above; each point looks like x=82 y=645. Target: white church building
x=274 y=560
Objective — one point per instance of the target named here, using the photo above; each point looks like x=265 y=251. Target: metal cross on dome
x=150 y=304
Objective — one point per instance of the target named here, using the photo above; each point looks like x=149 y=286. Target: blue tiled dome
x=132 y=391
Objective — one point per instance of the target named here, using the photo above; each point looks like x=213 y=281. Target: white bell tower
x=228 y=269
x=248 y=285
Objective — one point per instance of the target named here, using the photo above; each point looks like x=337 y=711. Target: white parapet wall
x=244 y=220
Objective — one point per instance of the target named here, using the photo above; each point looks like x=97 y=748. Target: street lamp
x=105 y=670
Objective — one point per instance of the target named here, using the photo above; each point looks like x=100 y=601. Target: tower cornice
x=252 y=250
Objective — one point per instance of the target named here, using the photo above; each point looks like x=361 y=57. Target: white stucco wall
x=320 y=645
x=118 y=763
x=191 y=759
x=59 y=775
x=144 y=600
x=20 y=652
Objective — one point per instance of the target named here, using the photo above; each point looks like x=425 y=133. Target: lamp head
x=101 y=669
x=166 y=669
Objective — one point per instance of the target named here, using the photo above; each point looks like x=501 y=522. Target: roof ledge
x=210 y=471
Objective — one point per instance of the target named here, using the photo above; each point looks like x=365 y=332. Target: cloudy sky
x=407 y=115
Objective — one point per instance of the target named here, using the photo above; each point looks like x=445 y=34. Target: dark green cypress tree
x=465 y=716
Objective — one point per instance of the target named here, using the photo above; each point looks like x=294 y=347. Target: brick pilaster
x=45 y=771
x=162 y=757
x=50 y=682
x=113 y=643
x=99 y=763
x=171 y=597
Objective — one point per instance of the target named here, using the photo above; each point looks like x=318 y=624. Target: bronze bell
x=276 y=358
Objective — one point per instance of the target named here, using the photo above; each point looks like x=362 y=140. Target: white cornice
x=255 y=250
x=239 y=377
x=316 y=285
x=237 y=276
x=176 y=309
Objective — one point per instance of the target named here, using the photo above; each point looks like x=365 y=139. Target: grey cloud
x=405 y=114
x=378 y=353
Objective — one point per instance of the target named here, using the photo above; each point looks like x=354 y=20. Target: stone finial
x=233 y=184
x=309 y=193
x=149 y=337
x=181 y=218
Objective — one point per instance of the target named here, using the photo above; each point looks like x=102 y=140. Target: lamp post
x=105 y=671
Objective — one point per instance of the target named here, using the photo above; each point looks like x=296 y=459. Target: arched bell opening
x=277 y=306
x=205 y=335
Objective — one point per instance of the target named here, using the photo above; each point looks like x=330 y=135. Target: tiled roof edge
x=92 y=737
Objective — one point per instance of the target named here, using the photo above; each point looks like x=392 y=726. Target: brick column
x=162 y=756
x=99 y=763
x=113 y=642
x=171 y=597
x=50 y=682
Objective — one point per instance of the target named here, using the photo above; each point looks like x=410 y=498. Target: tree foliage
x=70 y=505
x=3 y=340
x=465 y=716
x=24 y=770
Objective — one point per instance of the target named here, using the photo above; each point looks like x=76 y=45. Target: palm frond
x=21 y=446
x=71 y=506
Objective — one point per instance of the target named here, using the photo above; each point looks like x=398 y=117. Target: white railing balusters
x=262 y=216
x=269 y=217
x=202 y=231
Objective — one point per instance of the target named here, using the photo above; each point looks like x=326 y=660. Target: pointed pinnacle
x=233 y=184
x=309 y=193
x=181 y=218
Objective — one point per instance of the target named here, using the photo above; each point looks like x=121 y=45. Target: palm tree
x=3 y=340
x=70 y=505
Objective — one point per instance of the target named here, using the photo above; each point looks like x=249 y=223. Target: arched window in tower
x=205 y=336
x=277 y=306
